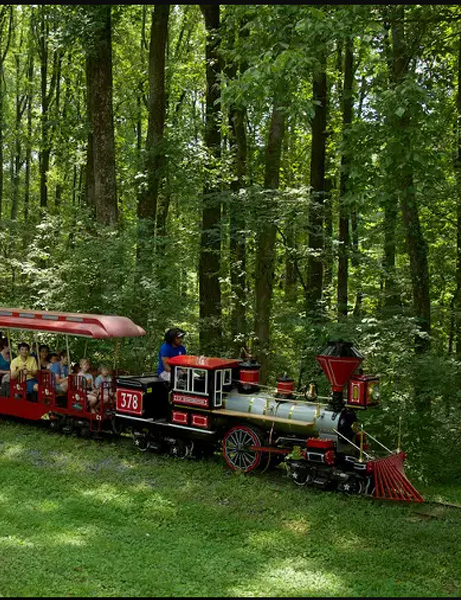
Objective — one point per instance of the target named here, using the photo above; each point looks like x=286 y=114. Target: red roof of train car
x=203 y=362
x=86 y=325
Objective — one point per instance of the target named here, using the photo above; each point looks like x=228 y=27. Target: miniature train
x=217 y=403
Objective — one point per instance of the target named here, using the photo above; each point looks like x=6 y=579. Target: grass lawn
x=87 y=518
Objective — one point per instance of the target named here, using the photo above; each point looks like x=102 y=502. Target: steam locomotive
x=214 y=403
x=217 y=403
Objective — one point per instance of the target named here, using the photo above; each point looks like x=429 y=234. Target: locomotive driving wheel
x=240 y=448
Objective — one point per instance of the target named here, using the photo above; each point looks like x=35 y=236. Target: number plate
x=129 y=401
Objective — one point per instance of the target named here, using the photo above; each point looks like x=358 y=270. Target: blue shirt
x=56 y=369
x=168 y=351
x=100 y=379
x=4 y=364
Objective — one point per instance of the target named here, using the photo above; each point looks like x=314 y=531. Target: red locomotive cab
x=363 y=391
x=200 y=381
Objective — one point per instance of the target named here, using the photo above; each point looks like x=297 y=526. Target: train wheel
x=141 y=441
x=85 y=431
x=300 y=474
x=353 y=486
x=56 y=424
x=239 y=451
x=181 y=449
x=68 y=426
x=116 y=425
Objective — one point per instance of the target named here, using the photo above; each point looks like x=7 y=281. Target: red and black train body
x=217 y=403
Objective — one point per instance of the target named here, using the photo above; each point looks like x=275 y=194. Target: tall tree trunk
x=237 y=243
x=317 y=182
x=266 y=238
x=164 y=200
x=47 y=91
x=21 y=105
x=6 y=24
x=237 y=225
x=328 y=242
x=457 y=166
x=416 y=245
x=343 y=251
x=28 y=152
x=99 y=86
x=90 y=191
x=155 y=152
x=355 y=260
x=391 y=296
x=290 y=262
x=59 y=117
x=210 y=241
x=2 y=124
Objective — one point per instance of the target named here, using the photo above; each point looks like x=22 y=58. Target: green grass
x=87 y=518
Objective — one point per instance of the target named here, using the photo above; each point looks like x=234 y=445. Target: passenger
x=27 y=364
x=102 y=385
x=43 y=353
x=64 y=360
x=172 y=346
x=3 y=340
x=5 y=360
x=60 y=380
x=84 y=372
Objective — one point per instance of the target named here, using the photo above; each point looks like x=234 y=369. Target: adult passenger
x=43 y=354
x=171 y=347
x=27 y=364
x=5 y=361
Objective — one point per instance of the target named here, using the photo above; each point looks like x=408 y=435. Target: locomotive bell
x=338 y=361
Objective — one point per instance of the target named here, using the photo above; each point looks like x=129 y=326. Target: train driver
x=172 y=346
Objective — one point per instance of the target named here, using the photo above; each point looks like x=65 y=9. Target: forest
x=264 y=176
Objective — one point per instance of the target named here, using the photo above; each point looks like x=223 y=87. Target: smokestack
x=339 y=360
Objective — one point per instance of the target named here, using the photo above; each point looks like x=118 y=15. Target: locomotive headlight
x=373 y=393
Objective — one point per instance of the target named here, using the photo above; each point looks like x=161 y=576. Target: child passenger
x=84 y=372
x=60 y=380
x=103 y=386
x=64 y=360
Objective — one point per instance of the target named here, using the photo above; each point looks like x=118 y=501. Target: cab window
x=227 y=380
x=194 y=381
x=218 y=381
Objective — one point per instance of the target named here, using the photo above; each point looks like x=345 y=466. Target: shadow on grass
x=81 y=518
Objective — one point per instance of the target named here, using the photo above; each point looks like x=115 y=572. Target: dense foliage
x=388 y=202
